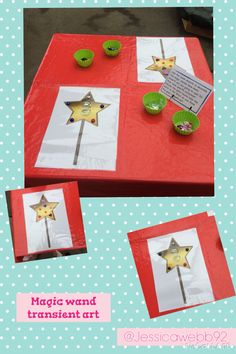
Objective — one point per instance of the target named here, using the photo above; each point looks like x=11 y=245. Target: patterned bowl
x=84 y=57
x=112 y=48
x=185 y=123
x=154 y=102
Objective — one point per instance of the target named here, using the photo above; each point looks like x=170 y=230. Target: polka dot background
x=109 y=266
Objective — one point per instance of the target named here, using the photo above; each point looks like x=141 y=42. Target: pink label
x=63 y=307
x=200 y=337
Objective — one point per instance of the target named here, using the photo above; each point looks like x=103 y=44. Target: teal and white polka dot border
x=109 y=265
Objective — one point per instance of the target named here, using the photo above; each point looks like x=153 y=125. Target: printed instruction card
x=186 y=90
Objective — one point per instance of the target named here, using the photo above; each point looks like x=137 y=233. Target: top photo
x=120 y=100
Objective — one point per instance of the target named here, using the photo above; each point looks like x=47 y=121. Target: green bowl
x=183 y=117
x=84 y=57
x=154 y=102
x=112 y=48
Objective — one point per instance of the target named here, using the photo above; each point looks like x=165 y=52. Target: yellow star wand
x=85 y=110
x=163 y=65
x=176 y=256
x=44 y=210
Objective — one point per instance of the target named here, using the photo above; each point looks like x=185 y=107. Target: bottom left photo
x=46 y=222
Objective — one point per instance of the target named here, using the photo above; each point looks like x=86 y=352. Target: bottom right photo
x=181 y=264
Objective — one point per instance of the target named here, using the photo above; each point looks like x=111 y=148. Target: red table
x=152 y=159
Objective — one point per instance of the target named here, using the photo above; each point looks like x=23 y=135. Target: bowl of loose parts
x=84 y=57
x=185 y=123
x=154 y=102
x=112 y=48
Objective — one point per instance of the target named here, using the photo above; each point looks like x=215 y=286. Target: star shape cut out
x=175 y=255
x=86 y=109
x=44 y=209
x=160 y=64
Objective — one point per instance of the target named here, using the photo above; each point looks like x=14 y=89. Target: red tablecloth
x=152 y=159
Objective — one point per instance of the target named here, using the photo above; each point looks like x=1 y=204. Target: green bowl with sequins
x=154 y=102
x=112 y=48
x=84 y=57
x=181 y=118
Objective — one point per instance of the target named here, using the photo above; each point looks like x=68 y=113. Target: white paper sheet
x=98 y=148
x=196 y=281
x=150 y=46
x=59 y=230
